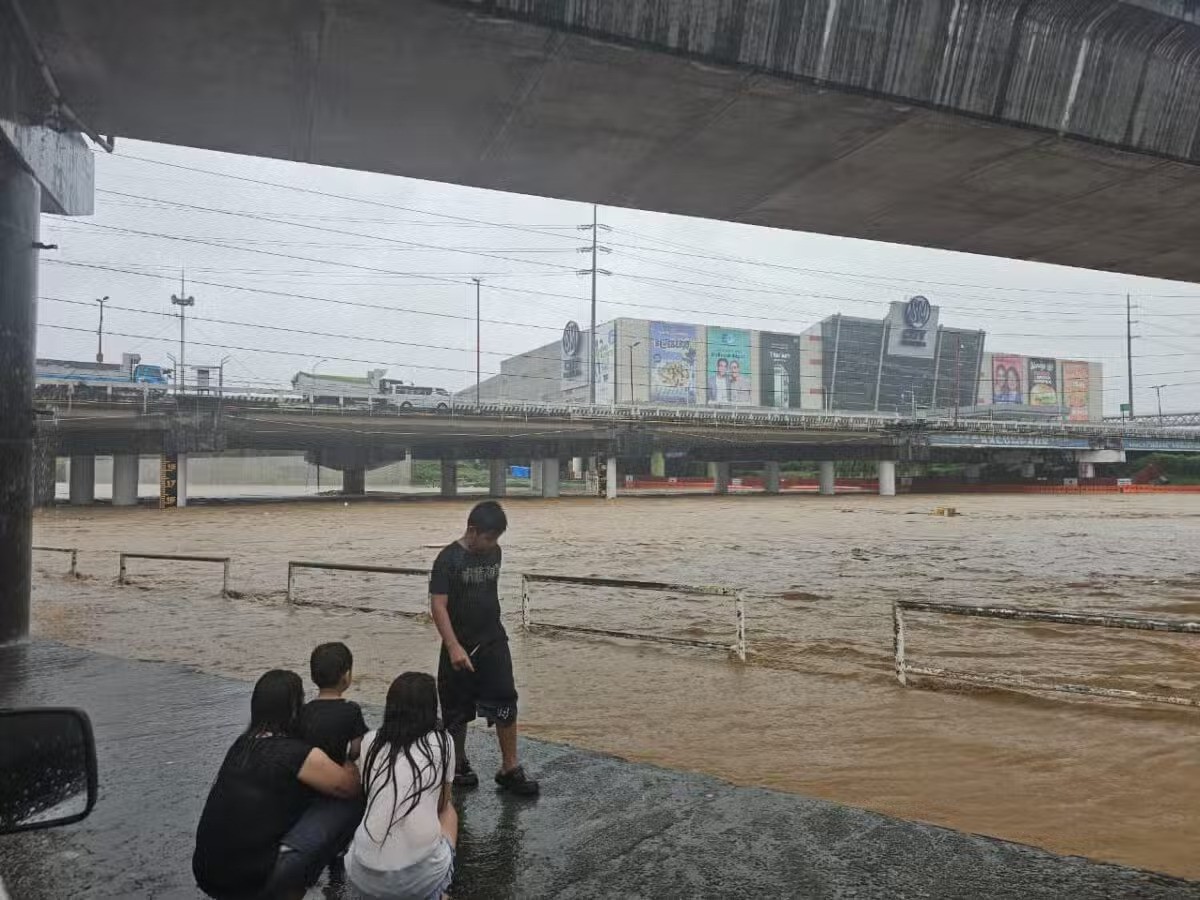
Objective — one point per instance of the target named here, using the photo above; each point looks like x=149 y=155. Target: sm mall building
x=908 y=363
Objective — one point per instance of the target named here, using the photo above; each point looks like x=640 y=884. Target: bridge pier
x=449 y=478
x=82 y=478
x=354 y=481
x=771 y=477
x=45 y=478
x=719 y=473
x=611 y=476
x=887 y=478
x=658 y=464
x=826 y=478
x=181 y=476
x=125 y=479
x=20 y=211
x=497 y=477
x=549 y=477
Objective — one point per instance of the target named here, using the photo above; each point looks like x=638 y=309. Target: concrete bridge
x=355 y=440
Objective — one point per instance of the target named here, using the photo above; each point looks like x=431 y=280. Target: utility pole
x=957 y=378
x=478 y=344
x=1129 y=347
x=1158 y=390
x=100 y=332
x=594 y=249
x=183 y=302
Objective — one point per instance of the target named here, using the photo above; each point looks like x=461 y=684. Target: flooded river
x=816 y=709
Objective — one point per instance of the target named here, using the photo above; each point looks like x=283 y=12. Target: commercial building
x=907 y=363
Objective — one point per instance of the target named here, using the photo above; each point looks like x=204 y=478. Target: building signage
x=1076 y=388
x=673 y=354
x=779 y=365
x=606 y=344
x=1007 y=379
x=912 y=328
x=574 y=357
x=729 y=377
x=1043 y=382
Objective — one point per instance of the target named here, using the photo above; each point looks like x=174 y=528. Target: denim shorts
x=428 y=879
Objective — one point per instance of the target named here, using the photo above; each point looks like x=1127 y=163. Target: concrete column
x=497 y=477
x=20 y=207
x=535 y=477
x=719 y=473
x=125 y=479
x=182 y=485
x=973 y=473
x=658 y=464
x=1087 y=470
x=576 y=468
x=613 y=476
x=404 y=469
x=1028 y=470
x=549 y=479
x=45 y=478
x=771 y=477
x=83 y=480
x=826 y=480
x=449 y=477
x=354 y=481
x=887 y=478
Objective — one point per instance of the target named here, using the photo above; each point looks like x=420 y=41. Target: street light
x=183 y=302
x=632 y=347
x=100 y=332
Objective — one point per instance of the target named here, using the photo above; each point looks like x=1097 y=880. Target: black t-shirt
x=470 y=581
x=254 y=802
x=331 y=724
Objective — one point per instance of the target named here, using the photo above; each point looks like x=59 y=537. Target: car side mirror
x=47 y=768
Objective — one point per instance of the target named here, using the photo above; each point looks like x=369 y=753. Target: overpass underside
x=1047 y=130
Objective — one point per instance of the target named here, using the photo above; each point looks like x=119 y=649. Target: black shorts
x=489 y=691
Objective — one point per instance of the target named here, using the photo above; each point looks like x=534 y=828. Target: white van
x=414 y=396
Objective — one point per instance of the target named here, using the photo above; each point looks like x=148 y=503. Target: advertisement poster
x=606 y=343
x=1043 y=382
x=574 y=357
x=672 y=363
x=912 y=328
x=1076 y=384
x=780 y=371
x=1007 y=383
x=729 y=367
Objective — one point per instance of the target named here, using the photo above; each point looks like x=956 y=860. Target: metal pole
x=898 y=642
x=592 y=339
x=739 y=607
x=100 y=332
x=121 y=570
x=1158 y=390
x=290 y=596
x=1129 y=347
x=524 y=603
x=183 y=302
x=478 y=343
x=225 y=580
x=957 y=377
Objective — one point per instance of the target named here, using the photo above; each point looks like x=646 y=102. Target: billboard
x=729 y=367
x=1043 y=382
x=1076 y=387
x=780 y=371
x=574 y=357
x=1007 y=380
x=673 y=353
x=606 y=348
x=912 y=328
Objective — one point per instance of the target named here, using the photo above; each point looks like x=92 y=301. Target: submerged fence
x=74 y=553
x=177 y=557
x=739 y=605
x=903 y=669
x=350 y=567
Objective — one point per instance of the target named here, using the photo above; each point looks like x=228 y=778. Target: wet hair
x=488 y=518
x=329 y=662
x=275 y=704
x=410 y=727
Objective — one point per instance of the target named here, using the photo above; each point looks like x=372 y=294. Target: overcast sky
x=385 y=264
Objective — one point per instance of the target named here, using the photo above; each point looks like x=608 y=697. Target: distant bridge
x=1167 y=420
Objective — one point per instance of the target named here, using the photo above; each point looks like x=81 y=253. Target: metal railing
x=739 y=603
x=293 y=565
x=177 y=557
x=74 y=552
x=904 y=669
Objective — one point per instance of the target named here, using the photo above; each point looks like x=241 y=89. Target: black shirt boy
x=330 y=724
x=470 y=582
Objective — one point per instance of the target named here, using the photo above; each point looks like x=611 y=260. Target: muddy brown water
x=815 y=710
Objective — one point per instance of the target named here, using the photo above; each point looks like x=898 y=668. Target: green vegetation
x=1178 y=468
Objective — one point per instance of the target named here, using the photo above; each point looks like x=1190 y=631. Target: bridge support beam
x=82 y=478
x=354 y=481
x=658 y=464
x=535 y=477
x=497 y=477
x=826 y=478
x=404 y=469
x=771 y=477
x=576 y=468
x=20 y=210
x=887 y=478
x=449 y=477
x=125 y=479
x=611 y=478
x=549 y=479
x=719 y=473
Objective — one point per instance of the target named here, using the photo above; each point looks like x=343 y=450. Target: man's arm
x=439 y=607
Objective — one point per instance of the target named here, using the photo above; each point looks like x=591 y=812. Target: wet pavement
x=603 y=827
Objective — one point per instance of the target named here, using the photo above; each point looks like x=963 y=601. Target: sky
x=295 y=267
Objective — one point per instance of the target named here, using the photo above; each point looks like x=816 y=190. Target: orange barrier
x=962 y=488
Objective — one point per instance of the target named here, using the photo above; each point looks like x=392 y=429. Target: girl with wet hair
x=404 y=848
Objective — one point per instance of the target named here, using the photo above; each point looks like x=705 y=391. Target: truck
x=58 y=379
x=351 y=390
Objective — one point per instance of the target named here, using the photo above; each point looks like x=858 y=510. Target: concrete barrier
x=74 y=552
x=739 y=605
x=1015 y=682
x=350 y=567
x=177 y=557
